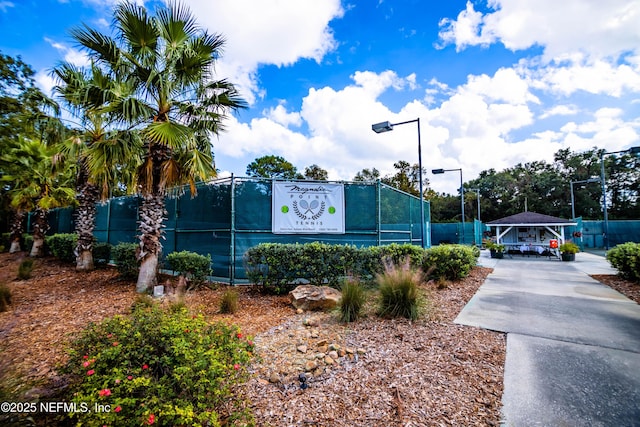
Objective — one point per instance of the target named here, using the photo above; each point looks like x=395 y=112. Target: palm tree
x=39 y=183
x=176 y=104
x=105 y=156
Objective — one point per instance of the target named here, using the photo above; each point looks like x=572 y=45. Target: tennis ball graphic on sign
x=284 y=209
x=332 y=210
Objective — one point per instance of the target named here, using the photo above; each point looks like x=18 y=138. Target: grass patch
x=399 y=292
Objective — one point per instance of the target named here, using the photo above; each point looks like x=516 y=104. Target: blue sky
x=494 y=82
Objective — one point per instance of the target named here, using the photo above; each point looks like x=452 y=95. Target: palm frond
x=169 y=134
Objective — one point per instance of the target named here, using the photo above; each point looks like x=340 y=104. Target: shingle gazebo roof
x=530 y=218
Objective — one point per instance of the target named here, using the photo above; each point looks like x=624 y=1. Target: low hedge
x=279 y=267
x=451 y=262
x=126 y=260
x=626 y=258
x=195 y=267
x=62 y=246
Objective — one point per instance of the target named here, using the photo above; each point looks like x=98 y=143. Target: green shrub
x=126 y=260
x=157 y=367
x=229 y=302
x=25 y=269
x=28 y=242
x=62 y=246
x=569 y=248
x=452 y=262
x=398 y=254
x=194 y=267
x=399 y=292
x=5 y=297
x=101 y=253
x=626 y=259
x=278 y=267
x=352 y=301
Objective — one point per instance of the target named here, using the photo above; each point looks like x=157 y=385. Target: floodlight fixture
x=382 y=127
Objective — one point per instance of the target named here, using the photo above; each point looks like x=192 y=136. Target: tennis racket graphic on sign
x=308 y=209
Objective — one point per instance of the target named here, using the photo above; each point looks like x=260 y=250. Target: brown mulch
x=630 y=289
x=428 y=372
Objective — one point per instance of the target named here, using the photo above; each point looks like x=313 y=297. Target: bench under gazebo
x=530 y=232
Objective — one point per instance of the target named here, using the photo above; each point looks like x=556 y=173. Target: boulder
x=310 y=297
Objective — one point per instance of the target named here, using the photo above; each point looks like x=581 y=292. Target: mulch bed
x=427 y=372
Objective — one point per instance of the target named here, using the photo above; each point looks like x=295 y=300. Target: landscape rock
x=310 y=297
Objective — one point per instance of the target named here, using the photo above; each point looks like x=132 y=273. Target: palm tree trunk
x=40 y=228
x=87 y=196
x=17 y=228
x=152 y=214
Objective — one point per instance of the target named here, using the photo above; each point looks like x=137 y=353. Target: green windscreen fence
x=229 y=216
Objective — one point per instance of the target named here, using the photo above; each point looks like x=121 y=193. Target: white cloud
x=281 y=116
x=277 y=32
x=601 y=28
x=71 y=55
x=597 y=77
x=560 y=110
x=4 y=5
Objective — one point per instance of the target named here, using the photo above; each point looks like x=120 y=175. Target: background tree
x=25 y=114
x=175 y=103
x=366 y=175
x=316 y=173
x=407 y=178
x=105 y=156
x=272 y=167
x=40 y=182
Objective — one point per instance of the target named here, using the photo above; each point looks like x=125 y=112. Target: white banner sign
x=309 y=208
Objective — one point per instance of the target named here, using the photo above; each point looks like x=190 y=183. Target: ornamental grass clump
x=25 y=269
x=399 y=292
x=352 y=301
x=229 y=302
x=158 y=366
x=5 y=297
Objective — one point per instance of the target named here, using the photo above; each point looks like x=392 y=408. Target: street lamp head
x=382 y=127
x=437 y=171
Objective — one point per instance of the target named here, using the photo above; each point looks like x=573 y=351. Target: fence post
x=379 y=213
x=232 y=249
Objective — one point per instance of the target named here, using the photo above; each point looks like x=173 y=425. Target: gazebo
x=529 y=231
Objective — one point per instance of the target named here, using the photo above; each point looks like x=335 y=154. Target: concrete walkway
x=573 y=344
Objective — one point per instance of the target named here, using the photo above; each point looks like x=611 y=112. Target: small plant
x=569 y=248
x=124 y=255
x=5 y=297
x=194 y=267
x=453 y=262
x=229 y=302
x=160 y=367
x=626 y=259
x=399 y=293
x=62 y=246
x=352 y=301
x=25 y=269
x=142 y=301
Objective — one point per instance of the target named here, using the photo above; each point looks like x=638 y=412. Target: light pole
x=439 y=171
x=632 y=150
x=573 y=209
x=386 y=127
x=477 y=190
